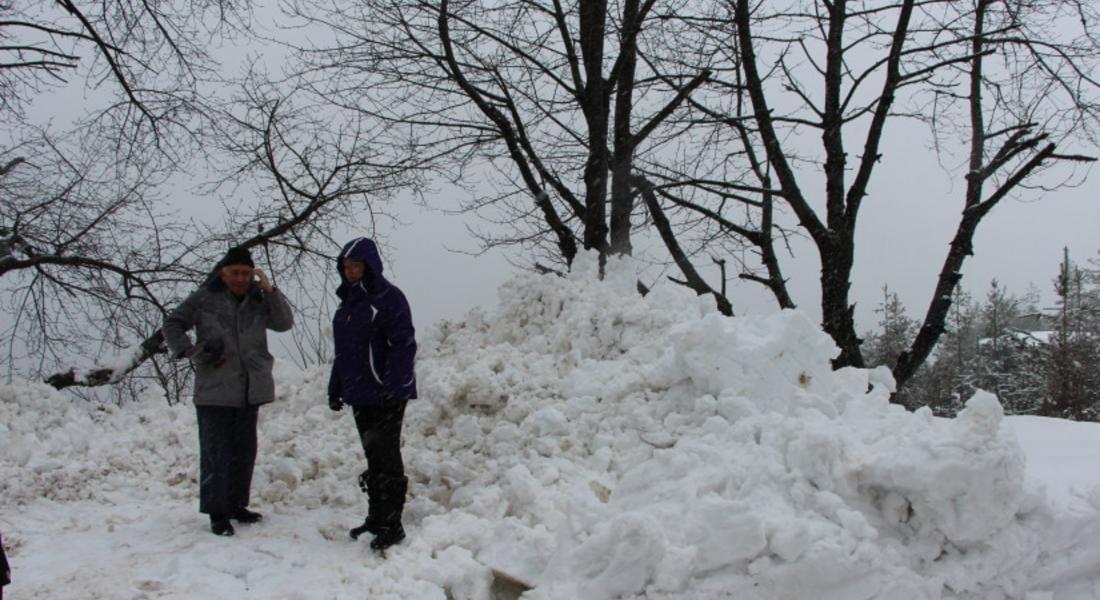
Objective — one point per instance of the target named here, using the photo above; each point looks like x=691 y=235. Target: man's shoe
x=220 y=525
x=243 y=515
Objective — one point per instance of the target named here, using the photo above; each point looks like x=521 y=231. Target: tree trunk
x=836 y=312
x=593 y=18
x=622 y=197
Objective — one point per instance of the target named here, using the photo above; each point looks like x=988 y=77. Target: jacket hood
x=363 y=249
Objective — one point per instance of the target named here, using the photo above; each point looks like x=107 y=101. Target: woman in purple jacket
x=5 y=571
x=373 y=372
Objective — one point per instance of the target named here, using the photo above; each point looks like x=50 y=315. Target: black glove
x=335 y=404
x=388 y=398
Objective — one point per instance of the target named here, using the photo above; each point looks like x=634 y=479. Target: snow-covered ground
x=590 y=442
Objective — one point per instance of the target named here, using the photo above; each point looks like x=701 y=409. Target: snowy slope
x=591 y=442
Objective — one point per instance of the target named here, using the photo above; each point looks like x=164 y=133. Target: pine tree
x=896 y=330
x=1004 y=360
x=950 y=381
x=1070 y=358
x=882 y=347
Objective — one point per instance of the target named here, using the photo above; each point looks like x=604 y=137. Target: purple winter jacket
x=373 y=333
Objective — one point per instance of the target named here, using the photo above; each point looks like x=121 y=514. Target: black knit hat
x=237 y=256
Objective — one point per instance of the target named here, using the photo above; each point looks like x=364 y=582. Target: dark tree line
x=1038 y=360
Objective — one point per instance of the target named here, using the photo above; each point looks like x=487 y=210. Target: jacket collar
x=362 y=289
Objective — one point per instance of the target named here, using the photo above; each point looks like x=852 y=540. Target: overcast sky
x=907 y=224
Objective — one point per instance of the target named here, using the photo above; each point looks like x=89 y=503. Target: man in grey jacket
x=230 y=314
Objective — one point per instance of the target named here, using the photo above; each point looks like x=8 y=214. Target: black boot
x=391 y=503
x=244 y=515
x=388 y=536
x=220 y=525
x=369 y=484
x=369 y=526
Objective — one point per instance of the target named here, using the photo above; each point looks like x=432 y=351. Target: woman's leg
x=380 y=433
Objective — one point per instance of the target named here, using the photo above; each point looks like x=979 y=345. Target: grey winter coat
x=236 y=331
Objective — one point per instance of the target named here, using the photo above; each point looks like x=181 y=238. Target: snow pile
x=651 y=446
x=54 y=448
x=591 y=442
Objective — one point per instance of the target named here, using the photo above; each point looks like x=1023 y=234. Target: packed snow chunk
x=467 y=430
x=546 y=421
x=789 y=538
x=523 y=488
x=980 y=422
x=733 y=407
x=275 y=480
x=768 y=359
x=723 y=533
x=884 y=377
x=460 y=575
x=964 y=482
x=619 y=559
x=286 y=472
x=820 y=453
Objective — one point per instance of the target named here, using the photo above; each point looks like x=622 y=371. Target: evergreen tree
x=1070 y=358
x=895 y=331
x=1004 y=362
x=951 y=378
x=1035 y=362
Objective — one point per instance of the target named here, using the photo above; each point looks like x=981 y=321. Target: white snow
x=590 y=442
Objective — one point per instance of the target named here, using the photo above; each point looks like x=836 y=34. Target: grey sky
x=903 y=237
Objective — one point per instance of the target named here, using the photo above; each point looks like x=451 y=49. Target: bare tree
x=1026 y=95
x=715 y=185
x=85 y=237
x=549 y=94
x=74 y=242
x=148 y=60
x=91 y=255
x=305 y=174
x=1009 y=82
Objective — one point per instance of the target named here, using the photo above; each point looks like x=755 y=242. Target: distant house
x=1034 y=322
x=1033 y=338
x=1030 y=330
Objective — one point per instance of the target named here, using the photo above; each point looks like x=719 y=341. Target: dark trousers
x=380 y=433
x=384 y=480
x=5 y=572
x=227 y=454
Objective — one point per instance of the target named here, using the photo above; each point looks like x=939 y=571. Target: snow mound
x=598 y=444
x=656 y=448
x=64 y=450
